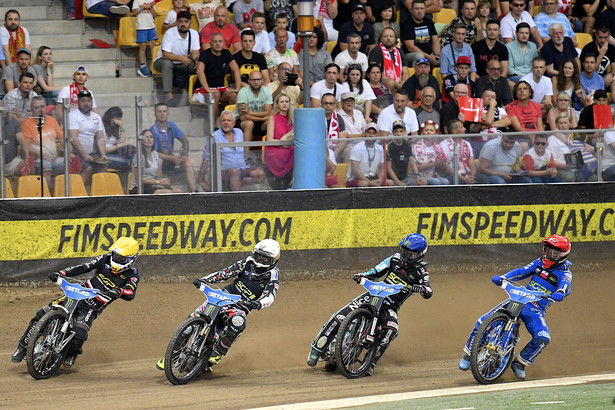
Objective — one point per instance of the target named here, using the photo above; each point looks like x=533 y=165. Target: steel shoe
x=518 y=369
x=70 y=361
x=464 y=364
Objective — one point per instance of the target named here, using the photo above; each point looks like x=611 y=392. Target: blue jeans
x=494 y=179
x=437 y=181
x=103 y=8
x=70 y=5
x=544 y=180
x=609 y=174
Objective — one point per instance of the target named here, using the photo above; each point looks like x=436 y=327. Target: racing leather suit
x=393 y=272
x=558 y=278
x=252 y=286
x=125 y=283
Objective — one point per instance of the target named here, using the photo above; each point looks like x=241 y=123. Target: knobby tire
x=353 y=353
x=43 y=362
x=182 y=361
x=488 y=358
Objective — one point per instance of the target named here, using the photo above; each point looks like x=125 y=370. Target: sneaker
x=160 y=364
x=464 y=364
x=518 y=369
x=19 y=354
x=70 y=361
x=313 y=357
x=70 y=15
x=215 y=358
x=144 y=72
x=121 y=9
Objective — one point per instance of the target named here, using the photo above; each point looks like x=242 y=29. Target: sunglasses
x=540 y=143
x=518 y=4
x=422 y=60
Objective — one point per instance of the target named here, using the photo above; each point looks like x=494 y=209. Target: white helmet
x=265 y=255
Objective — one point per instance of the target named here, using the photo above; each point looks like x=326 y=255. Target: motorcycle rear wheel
x=41 y=357
x=182 y=361
x=353 y=353
x=492 y=353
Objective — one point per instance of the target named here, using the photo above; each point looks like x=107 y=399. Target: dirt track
x=267 y=365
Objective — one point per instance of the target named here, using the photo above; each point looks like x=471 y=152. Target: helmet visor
x=409 y=255
x=121 y=259
x=263 y=260
x=552 y=253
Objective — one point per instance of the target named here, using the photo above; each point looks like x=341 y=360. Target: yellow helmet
x=124 y=253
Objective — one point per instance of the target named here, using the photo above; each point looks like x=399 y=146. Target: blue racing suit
x=555 y=279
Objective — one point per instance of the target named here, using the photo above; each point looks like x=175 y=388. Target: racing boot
x=160 y=364
x=518 y=369
x=313 y=357
x=464 y=364
x=70 y=360
x=215 y=358
x=19 y=354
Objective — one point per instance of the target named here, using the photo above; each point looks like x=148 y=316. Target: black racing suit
x=125 y=283
x=393 y=272
x=252 y=286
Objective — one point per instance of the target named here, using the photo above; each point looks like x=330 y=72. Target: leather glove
x=557 y=296
x=253 y=305
x=497 y=280
x=426 y=292
x=197 y=282
x=111 y=294
x=53 y=276
x=357 y=277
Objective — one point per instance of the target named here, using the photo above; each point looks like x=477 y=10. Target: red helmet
x=555 y=250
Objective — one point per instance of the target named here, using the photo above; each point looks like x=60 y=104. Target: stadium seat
x=87 y=14
x=331 y=46
x=436 y=73
x=8 y=189
x=410 y=71
x=128 y=183
x=77 y=187
x=159 y=26
x=444 y=16
x=29 y=186
x=154 y=54
x=106 y=183
x=341 y=170
x=126 y=36
x=163 y=7
x=230 y=107
x=583 y=39
x=191 y=83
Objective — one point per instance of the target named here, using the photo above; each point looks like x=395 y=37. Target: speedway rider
x=256 y=280
x=407 y=268
x=115 y=277
x=549 y=274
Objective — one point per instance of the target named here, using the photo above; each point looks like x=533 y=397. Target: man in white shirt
x=399 y=110
x=352 y=55
x=13 y=36
x=508 y=24
x=353 y=120
x=542 y=86
x=261 y=37
x=367 y=161
x=328 y=85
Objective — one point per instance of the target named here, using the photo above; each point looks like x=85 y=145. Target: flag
x=471 y=108
x=603 y=118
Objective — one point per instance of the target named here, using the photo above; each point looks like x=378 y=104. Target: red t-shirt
x=230 y=33
x=528 y=116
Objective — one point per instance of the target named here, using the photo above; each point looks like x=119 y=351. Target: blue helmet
x=412 y=249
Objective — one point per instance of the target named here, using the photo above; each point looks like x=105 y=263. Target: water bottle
x=117 y=70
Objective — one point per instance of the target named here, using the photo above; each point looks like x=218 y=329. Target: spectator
x=510 y=23
x=318 y=57
x=70 y=92
x=568 y=80
x=385 y=18
x=419 y=81
x=559 y=145
x=606 y=57
x=87 y=137
x=608 y=156
x=353 y=120
x=450 y=110
x=356 y=25
x=367 y=161
x=399 y=110
x=243 y=11
x=558 y=49
x=247 y=60
x=178 y=55
x=466 y=166
x=145 y=11
x=274 y=8
x=43 y=65
x=521 y=53
x=336 y=128
x=457 y=48
x=15 y=164
x=280 y=85
x=564 y=143
x=229 y=32
x=461 y=76
x=485 y=15
x=213 y=65
x=540 y=84
x=280 y=160
x=493 y=80
x=109 y=8
x=52 y=134
x=428 y=110
x=384 y=98
x=590 y=80
x=235 y=171
x=261 y=37
x=561 y=105
x=119 y=151
x=281 y=22
x=607 y=18
x=548 y=16
x=11 y=74
x=363 y=93
x=165 y=133
x=151 y=169
x=468 y=19
x=18 y=101
x=400 y=159
x=326 y=11
x=419 y=37
x=490 y=48
x=498 y=158
x=178 y=5
x=587 y=11
x=328 y=85
x=280 y=54
x=431 y=6
x=391 y=59
x=352 y=55
x=253 y=107
x=430 y=158
x=539 y=162
x=495 y=118
x=586 y=118
x=525 y=114
x=70 y=9
x=12 y=36
x=2 y=63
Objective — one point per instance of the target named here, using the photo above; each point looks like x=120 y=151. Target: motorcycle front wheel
x=186 y=352
x=353 y=352
x=492 y=348
x=42 y=357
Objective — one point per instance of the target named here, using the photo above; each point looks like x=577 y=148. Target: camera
x=291 y=79
x=372 y=175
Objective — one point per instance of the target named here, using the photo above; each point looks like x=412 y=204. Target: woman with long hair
x=280 y=160
x=119 y=151
x=386 y=18
x=561 y=105
x=318 y=57
x=363 y=93
x=568 y=80
x=43 y=65
x=383 y=95
x=151 y=169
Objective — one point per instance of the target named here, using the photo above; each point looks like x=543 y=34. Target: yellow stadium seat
x=331 y=46
x=584 y=39
x=8 y=189
x=410 y=71
x=159 y=25
x=436 y=73
x=191 y=84
x=444 y=16
x=195 y=23
x=154 y=54
x=341 y=170
x=126 y=36
x=87 y=14
x=77 y=187
x=30 y=186
x=163 y=7
x=128 y=183
x=230 y=107
x=106 y=183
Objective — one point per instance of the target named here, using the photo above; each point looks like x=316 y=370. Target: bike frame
x=378 y=291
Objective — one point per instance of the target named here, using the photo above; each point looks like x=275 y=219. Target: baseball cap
x=184 y=14
x=359 y=6
x=24 y=50
x=372 y=126
x=599 y=94
x=464 y=60
x=399 y=124
x=80 y=68
x=421 y=61
x=84 y=93
x=347 y=95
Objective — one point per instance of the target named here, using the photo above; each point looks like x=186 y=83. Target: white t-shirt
x=88 y=126
x=204 y=12
x=540 y=161
x=173 y=43
x=145 y=19
x=65 y=93
x=261 y=43
x=5 y=36
x=558 y=148
x=343 y=59
x=320 y=87
x=369 y=159
x=541 y=88
x=355 y=124
x=368 y=92
x=508 y=24
x=388 y=116
x=608 y=156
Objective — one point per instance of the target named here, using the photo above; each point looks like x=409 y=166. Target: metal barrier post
x=599 y=152
x=139 y=104
x=213 y=182
x=456 y=148
x=67 y=141
x=3 y=142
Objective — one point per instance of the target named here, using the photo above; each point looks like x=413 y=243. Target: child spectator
x=204 y=11
x=243 y=11
x=281 y=21
x=400 y=159
x=146 y=31
x=171 y=19
x=539 y=161
x=261 y=37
